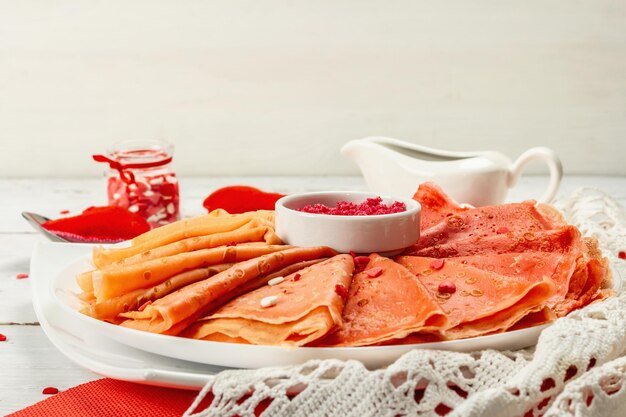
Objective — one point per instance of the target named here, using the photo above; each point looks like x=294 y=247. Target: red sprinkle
x=297 y=277
x=144 y=305
x=3 y=338
x=360 y=262
x=50 y=391
x=21 y=276
x=374 y=272
x=64 y=212
x=447 y=287
x=341 y=291
x=621 y=254
x=437 y=264
x=502 y=230
x=370 y=207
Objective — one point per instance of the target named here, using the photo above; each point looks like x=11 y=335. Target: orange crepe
x=246 y=233
x=218 y=221
x=109 y=309
x=119 y=280
x=484 y=302
x=181 y=308
x=386 y=307
x=306 y=308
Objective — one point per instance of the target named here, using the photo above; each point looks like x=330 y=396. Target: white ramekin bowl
x=383 y=233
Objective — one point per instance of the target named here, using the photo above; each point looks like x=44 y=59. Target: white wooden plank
x=277 y=86
x=15 y=250
x=29 y=363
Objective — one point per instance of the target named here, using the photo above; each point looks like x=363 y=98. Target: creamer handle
x=554 y=164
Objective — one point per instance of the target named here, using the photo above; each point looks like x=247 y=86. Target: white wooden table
x=28 y=361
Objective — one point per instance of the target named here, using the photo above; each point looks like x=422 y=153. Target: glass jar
x=141 y=179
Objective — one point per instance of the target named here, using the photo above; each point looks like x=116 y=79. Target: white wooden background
x=248 y=87
x=28 y=361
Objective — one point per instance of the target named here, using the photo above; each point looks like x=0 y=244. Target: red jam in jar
x=142 y=180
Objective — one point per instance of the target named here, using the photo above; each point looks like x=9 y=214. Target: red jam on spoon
x=99 y=225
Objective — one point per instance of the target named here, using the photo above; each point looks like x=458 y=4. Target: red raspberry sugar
x=21 y=276
x=370 y=207
x=437 y=264
x=360 y=262
x=446 y=287
x=374 y=272
x=341 y=291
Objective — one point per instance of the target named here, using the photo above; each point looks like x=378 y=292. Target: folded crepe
x=515 y=218
x=249 y=232
x=483 y=302
x=560 y=239
x=307 y=307
x=218 y=221
x=382 y=308
x=531 y=266
x=109 y=309
x=436 y=205
x=590 y=281
x=116 y=280
x=174 y=312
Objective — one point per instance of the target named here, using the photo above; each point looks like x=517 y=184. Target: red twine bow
x=127 y=176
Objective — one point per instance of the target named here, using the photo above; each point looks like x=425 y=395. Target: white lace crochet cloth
x=578 y=367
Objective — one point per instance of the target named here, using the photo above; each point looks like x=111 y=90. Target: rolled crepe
x=119 y=280
x=249 y=232
x=385 y=307
x=195 y=300
x=218 y=221
x=308 y=306
x=109 y=309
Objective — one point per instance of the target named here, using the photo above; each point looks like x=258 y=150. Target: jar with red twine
x=141 y=179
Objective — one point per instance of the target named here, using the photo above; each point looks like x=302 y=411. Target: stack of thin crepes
x=229 y=278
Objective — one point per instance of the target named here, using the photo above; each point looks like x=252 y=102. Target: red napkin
x=109 y=397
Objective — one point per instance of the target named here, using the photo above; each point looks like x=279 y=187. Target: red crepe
x=436 y=205
x=516 y=218
x=559 y=240
x=99 y=225
x=240 y=199
x=109 y=397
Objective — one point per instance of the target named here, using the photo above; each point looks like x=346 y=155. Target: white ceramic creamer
x=395 y=167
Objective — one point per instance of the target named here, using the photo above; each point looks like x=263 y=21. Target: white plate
x=59 y=280
x=89 y=348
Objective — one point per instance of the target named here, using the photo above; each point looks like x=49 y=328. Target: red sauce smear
x=240 y=199
x=370 y=207
x=99 y=225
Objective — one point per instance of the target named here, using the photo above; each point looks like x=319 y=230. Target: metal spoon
x=36 y=221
